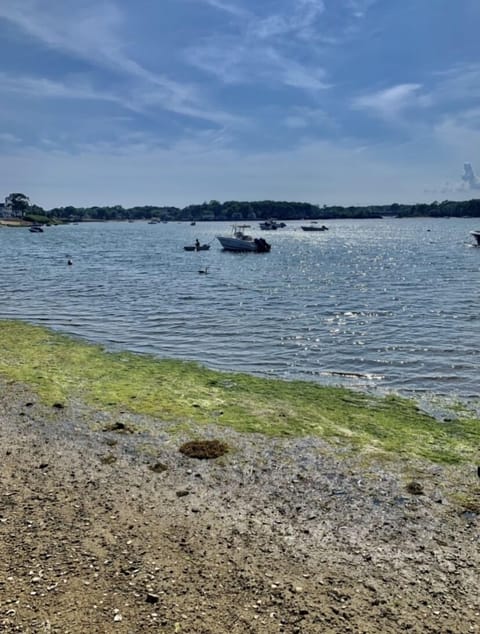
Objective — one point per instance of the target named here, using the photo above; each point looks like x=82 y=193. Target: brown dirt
x=292 y=536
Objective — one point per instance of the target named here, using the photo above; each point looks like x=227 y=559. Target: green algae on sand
x=60 y=368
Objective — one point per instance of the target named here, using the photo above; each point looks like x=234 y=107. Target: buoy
x=69 y=262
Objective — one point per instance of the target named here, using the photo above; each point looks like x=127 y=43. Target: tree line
x=19 y=204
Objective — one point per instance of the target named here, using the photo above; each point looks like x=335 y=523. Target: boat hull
x=271 y=225
x=242 y=245
x=322 y=228
x=235 y=244
x=202 y=247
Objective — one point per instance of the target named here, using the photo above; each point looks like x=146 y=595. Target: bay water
x=382 y=305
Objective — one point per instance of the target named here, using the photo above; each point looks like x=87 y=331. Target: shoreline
x=292 y=535
x=62 y=369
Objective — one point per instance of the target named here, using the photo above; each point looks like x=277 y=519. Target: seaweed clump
x=204 y=449
x=415 y=488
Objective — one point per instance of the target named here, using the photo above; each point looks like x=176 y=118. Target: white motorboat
x=476 y=235
x=240 y=241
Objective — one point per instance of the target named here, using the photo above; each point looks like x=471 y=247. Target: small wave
x=354 y=375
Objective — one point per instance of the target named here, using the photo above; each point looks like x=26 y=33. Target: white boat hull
x=236 y=244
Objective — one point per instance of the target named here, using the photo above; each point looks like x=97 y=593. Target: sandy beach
x=103 y=530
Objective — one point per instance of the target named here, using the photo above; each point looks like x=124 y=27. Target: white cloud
x=236 y=62
x=457 y=83
x=359 y=8
x=390 y=102
x=42 y=87
x=469 y=177
x=228 y=7
x=81 y=88
x=6 y=137
x=91 y=31
x=263 y=49
x=298 y=22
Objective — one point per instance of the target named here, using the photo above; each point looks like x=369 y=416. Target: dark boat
x=476 y=235
x=314 y=228
x=271 y=225
x=36 y=229
x=199 y=247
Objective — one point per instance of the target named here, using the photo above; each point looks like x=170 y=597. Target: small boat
x=193 y=223
x=271 y=225
x=314 y=227
x=197 y=247
x=476 y=235
x=154 y=221
x=36 y=229
x=240 y=241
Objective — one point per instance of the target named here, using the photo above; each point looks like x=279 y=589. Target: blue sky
x=173 y=102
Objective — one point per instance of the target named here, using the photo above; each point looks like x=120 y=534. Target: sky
x=176 y=102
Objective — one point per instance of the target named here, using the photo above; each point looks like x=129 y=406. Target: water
x=374 y=304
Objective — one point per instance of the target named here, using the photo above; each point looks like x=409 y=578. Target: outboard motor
x=262 y=245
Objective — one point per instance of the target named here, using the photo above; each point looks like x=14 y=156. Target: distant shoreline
x=250 y=211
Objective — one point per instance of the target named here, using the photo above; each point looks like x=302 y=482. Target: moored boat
x=36 y=229
x=271 y=225
x=197 y=247
x=240 y=241
x=313 y=227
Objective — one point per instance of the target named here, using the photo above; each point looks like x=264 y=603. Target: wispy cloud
x=359 y=8
x=239 y=63
x=91 y=32
x=265 y=49
x=389 y=103
x=228 y=7
x=41 y=87
x=304 y=117
x=297 y=22
x=7 y=137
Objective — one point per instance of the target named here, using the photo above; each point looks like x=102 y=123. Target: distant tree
x=17 y=203
x=36 y=209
